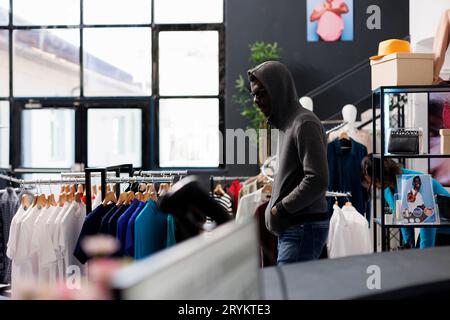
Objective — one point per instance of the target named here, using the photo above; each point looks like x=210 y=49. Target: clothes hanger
x=79 y=194
x=62 y=199
x=122 y=198
x=25 y=202
x=94 y=190
x=267 y=188
x=152 y=192
x=130 y=197
x=348 y=203
x=219 y=189
x=109 y=197
x=163 y=188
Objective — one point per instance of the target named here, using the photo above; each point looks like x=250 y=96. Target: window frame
x=148 y=104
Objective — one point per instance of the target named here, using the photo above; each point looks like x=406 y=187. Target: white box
x=402 y=69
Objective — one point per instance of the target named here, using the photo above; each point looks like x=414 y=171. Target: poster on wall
x=417 y=199
x=439 y=118
x=329 y=20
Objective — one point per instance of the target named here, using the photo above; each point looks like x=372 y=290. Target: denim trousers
x=302 y=242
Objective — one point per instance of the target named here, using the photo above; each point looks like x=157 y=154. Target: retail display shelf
x=414 y=225
x=415 y=156
x=412 y=89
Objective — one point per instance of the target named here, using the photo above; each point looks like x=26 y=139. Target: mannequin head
x=307 y=103
x=349 y=113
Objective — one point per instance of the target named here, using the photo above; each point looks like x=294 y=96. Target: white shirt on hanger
x=11 y=251
x=249 y=203
x=349 y=233
x=27 y=263
x=55 y=228
x=42 y=246
x=70 y=228
x=97 y=200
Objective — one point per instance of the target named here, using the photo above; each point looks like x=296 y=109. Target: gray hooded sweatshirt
x=302 y=178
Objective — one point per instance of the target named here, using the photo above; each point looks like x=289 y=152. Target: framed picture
x=329 y=20
x=439 y=118
x=417 y=199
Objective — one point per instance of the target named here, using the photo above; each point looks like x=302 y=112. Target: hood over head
x=277 y=80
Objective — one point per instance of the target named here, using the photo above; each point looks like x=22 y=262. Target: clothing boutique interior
x=224 y=149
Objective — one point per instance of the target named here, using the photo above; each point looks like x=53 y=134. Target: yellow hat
x=391 y=46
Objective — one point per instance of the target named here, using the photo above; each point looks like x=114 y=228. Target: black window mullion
x=81 y=51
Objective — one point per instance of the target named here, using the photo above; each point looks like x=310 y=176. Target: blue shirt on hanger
x=112 y=222
x=122 y=224
x=104 y=224
x=344 y=168
x=90 y=227
x=129 y=239
x=151 y=231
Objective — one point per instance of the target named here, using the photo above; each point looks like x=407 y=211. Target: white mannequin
x=307 y=103
x=349 y=113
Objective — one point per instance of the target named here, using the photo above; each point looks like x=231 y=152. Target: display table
x=407 y=273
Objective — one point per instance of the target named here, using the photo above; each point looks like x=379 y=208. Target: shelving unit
x=378 y=101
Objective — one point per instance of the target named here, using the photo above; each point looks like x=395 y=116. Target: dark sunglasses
x=258 y=93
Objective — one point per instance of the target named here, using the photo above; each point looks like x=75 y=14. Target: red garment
x=267 y=241
x=84 y=199
x=234 y=190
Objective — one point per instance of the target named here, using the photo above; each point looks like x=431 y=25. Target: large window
x=104 y=82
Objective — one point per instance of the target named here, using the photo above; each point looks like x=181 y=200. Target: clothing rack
x=162 y=173
x=214 y=179
x=343 y=124
x=330 y=194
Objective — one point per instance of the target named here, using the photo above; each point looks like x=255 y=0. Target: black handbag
x=404 y=141
x=443 y=203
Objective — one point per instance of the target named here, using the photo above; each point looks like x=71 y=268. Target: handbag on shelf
x=404 y=141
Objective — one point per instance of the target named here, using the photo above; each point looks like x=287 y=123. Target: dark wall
x=313 y=63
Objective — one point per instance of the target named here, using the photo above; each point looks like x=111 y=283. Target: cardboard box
x=445 y=141
x=402 y=69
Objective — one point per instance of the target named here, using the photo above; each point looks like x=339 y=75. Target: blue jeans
x=427 y=237
x=302 y=242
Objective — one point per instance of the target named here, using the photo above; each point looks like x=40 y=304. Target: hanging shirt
x=225 y=201
x=129 y=238
x=42 y=246
x=104 y=224
x=11 y=251
x=349 y=233
x=27 y=263
x=9 y=204
x=52 y=267
x=150 y=231
x=267 y=241
x=344 y=167
x=234 y=190
x=97 y=201
x=55 y=230
x=90 y=227
x=171 y=240
x=70 y=228
x=249 y=203
x=122 y=224
x=112 y=223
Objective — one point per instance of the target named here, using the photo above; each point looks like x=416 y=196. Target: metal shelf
x=413 y=225
x=416 y=156
x=412 y=89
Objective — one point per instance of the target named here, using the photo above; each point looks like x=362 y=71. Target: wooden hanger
x=51 y=200
x=62 y=199
x=67 y=188
x=122 y=198
x=348 y=203
x=108 y=188
x=163 y=188
x=344 y=135
x=219 y=189
x=25 y=202
x=130 y=197
x=110 y=197
x=152 y=192
x=139 y=195
x=80 y=188
x=41 y=201
x=267 y=188
x=94 y=190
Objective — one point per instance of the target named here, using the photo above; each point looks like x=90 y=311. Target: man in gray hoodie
x=297 y=211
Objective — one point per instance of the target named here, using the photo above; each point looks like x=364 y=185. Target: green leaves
x=262 y=52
